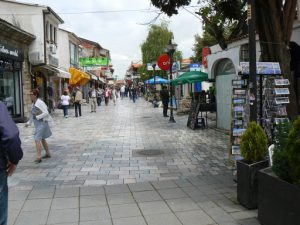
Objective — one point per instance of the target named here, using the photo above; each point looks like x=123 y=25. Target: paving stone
x=182 y=204
x=63 y=216
x=37 y=204
x=91 y=191
x=146 y=196
x=172 y=193
x=129 y=221
x=32 y=217
x=162 y=219
x=65 y=203
x=194 y=217
x=99 y=222
x=164 y=184
x=18 y=195
x=94 y=213
x=125 y=210
x=116 y=189
x=41 y=193
x=156 y=207
x=92 y=200
x=146 y=186
x=66 y=192
x=121 y=198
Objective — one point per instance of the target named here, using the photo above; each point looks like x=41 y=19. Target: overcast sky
x=122 y=32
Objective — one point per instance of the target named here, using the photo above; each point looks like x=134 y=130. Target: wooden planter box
x=247 y=187
x=278 y=200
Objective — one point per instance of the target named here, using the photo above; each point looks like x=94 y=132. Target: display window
x=10 y=87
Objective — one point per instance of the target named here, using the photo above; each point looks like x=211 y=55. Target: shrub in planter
x=254 y=144
x=281 y=165
x=293 y=152
x=253 y=149
x=279 y=196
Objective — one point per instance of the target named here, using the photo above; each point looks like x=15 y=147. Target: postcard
x=239 y=101
x=235 y=150
x=283 y=82
x=282 y=91
x=282 y=100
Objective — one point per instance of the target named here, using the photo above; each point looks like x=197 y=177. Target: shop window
x=51 y=33
x=47 y=31
x=55 y=35
x=73 y=55
x=10 y=84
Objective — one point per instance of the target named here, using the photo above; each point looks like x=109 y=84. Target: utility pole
x=252 y=60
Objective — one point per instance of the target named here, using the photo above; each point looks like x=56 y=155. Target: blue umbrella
x=158 y=80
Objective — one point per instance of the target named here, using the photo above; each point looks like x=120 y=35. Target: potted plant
x=253 y=150
x=279 y=186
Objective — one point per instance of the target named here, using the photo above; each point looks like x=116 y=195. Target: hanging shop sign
x=164 y=62
x=10 y=52
x=99 y=61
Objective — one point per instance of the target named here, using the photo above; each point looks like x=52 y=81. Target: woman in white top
x=40 y=117
x=65 y=102
x=114 y=95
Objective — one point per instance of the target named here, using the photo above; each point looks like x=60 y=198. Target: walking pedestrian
x=65 y=102
x=10 y=154
x=93 y=96
x=164 y=96
x=40 y=118
x=78 y=102
x=99 y=96
x=133 y=93
x=114 y=95
x=122 y=91
x=106 y=96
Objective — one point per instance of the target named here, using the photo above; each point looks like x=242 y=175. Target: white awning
x=94 y=77
x=60 y=73
x=102 y=80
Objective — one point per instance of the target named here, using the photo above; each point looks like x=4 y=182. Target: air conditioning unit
x=53 y=48
x=36 y=58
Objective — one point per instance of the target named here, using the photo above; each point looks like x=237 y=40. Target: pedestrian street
x=105 y=148
x=126 y=164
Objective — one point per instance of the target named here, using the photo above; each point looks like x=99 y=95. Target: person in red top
x=106 y=96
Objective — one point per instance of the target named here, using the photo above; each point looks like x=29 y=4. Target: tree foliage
x=154 y=45
x=200 y=42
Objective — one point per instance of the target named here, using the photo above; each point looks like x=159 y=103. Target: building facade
x=42 y=22
x=15 y=77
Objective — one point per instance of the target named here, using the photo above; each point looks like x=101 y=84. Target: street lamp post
x=154 y=91
x=171 y=47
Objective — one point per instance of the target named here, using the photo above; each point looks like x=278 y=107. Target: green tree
x=274 y=22
x=200 y=42
x=154 y=45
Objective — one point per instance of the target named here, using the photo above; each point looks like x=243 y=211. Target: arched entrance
x=224 y=71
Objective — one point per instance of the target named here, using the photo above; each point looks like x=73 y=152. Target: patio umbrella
x=190 y=77
x=158 y=80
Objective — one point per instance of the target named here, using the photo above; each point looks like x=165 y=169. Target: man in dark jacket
x=10 y=154
x=164 y=96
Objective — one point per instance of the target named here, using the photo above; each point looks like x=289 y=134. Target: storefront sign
x=100 y=61
x=10 y=52
x=164 y=62
x=195 y=67
x=53 y=61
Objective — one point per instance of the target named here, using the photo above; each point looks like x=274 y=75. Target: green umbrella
x=190 y=77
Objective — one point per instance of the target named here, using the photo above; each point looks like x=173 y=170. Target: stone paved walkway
x=97 y=175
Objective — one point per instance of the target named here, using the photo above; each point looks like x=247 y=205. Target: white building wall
x=63 y=50
x=28 y=18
